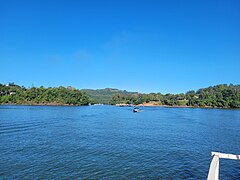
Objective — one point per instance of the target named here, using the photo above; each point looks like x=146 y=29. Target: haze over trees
x=104 y=96
x=219 y=96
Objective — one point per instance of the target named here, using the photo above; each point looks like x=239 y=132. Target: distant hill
x=104 y=96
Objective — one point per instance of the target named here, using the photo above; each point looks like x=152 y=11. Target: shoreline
x=120 y=105
x=167 y=106
x=42 y=104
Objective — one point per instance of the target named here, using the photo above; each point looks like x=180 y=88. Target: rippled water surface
x=107 y=142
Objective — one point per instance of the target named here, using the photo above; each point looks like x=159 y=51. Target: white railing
x=214 y=166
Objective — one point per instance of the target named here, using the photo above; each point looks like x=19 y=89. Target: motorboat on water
x=136 y=110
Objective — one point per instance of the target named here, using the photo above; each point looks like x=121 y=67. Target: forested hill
x=16 y=94
x=220 y=96
x=104 y=96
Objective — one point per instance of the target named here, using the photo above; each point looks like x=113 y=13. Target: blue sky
x=137 y=45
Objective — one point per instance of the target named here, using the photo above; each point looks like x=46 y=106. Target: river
x=108 y=142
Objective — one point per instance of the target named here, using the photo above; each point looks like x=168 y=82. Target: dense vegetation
x=104 y=96
x=224 y=96
x=14 y=94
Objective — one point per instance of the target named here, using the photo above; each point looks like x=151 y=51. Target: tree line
x=15 y=94
x=219 y=96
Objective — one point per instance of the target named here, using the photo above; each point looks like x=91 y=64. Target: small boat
x=136 y=110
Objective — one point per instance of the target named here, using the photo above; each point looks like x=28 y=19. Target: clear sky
x=167 y=46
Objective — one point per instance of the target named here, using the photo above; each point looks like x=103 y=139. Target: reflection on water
x=112 y=142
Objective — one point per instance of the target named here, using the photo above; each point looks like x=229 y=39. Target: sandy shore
x=154 y=104
x=158 y=105
x=151 y=104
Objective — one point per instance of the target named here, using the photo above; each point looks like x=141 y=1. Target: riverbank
x=118 y=105
x=40 y=104
x=151 y=104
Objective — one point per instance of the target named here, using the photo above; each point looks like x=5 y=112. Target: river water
x=108 y=142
